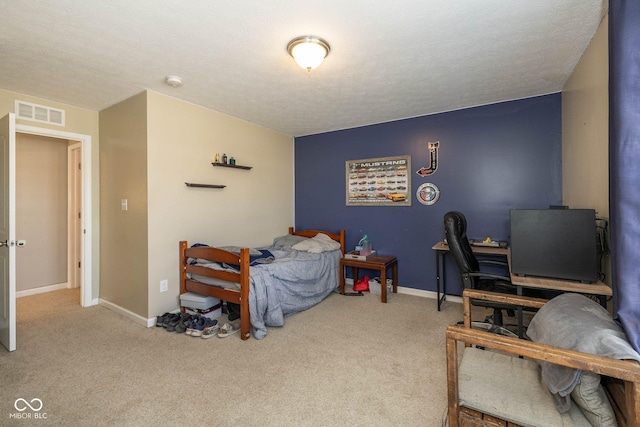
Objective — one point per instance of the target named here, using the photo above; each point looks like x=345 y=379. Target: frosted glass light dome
x=308 y=51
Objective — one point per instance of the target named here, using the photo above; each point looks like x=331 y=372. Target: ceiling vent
x=39 y=113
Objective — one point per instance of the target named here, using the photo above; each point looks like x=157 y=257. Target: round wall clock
x=428 y=193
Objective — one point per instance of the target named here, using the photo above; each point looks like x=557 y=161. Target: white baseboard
x=41 y=290
x=417 y=292
x=136 y=318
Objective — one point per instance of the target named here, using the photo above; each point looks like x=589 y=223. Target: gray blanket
x=575 y=322
x=294 y=281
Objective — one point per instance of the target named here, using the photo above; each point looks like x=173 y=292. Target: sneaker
x=173 y=318
x=227 y=329
x=160 y=320
x=191 y=324
x=175 y=321
x=181 y=327
x=199 y=326
x=211 y=331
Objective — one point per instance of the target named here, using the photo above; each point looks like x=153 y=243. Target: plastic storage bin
x=197 y=301
x=375 y=289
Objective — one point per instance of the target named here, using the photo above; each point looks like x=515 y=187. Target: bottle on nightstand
x=365 y=244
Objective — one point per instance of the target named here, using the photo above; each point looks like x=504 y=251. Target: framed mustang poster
x=384 y=181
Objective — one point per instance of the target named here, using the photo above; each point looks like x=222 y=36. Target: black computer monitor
x=554 y=243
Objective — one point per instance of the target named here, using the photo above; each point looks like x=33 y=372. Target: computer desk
x=599 y=288
x=441 y=249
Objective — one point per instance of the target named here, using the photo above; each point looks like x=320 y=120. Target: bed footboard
x=240 y=297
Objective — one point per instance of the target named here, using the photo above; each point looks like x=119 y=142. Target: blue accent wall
x=491 y=159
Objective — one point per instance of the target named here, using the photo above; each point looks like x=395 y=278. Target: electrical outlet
x=164 y=285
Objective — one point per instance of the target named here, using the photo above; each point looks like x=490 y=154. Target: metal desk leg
x=444 y=278
x=520 y=316
x=441 y=281
x=438 y=256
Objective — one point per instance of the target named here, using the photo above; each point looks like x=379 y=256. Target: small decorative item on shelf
x=217 y=158
x=232 y=161
x=233 y=165
x=224 y=159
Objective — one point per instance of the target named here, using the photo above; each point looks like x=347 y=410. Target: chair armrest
x=493 y=262
x=489 y=275
x=626 y=370
x=507 y=299
x=531 y=302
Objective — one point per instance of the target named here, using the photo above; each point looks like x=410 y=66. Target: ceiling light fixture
x=174 y=81
x=308 y=51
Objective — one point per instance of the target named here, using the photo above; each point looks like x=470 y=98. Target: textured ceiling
x=388 y=60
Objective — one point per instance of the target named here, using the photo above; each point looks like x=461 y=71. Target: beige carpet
x=349 y=361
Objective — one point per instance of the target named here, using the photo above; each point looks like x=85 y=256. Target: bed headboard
x=338 y=237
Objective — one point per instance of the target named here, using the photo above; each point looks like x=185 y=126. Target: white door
x=74 y=268
x=8 y=232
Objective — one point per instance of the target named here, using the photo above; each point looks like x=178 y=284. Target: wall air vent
x=39 y=113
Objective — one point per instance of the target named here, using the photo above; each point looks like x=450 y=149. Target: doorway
x=77 y=265
x=46 y=212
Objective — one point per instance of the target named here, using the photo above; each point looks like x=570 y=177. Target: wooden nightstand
x=377 y=262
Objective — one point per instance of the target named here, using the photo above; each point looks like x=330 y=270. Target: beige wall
x=80 y=121
x=123 y=165
x=585 y=129
x=41 y=211
x=255 y=206
x=151 y=145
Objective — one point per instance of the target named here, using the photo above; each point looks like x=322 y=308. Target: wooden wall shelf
x=191 y=184
x=227 y=165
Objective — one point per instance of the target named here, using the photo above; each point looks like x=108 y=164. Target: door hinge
x=79 y=215
x=79 y=264
x=79 y=165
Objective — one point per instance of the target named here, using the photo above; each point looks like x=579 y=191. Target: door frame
x=74 y=206
x=86 y=292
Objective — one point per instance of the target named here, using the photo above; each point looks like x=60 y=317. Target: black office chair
x=455 y=227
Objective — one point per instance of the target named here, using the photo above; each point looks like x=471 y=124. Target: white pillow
x=320 y=243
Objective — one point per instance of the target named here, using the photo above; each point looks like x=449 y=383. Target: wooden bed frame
x=620 y=378
x=241 y=296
